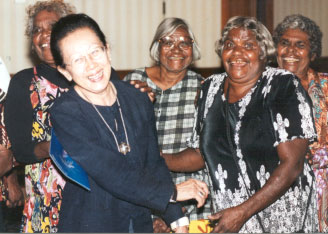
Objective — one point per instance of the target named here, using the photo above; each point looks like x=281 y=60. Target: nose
x=89 y=63
x=46 y=32
x=290 y=48
x=176 y=47
x=237 y=49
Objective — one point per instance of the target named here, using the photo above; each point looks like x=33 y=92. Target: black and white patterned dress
x=275 y=110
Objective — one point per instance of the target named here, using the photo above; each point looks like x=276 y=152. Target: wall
x=128 y=24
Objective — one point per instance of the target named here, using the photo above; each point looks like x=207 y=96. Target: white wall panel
x=314 y=9
x=204 y=17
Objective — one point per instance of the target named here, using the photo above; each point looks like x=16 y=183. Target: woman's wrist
x=184 y=221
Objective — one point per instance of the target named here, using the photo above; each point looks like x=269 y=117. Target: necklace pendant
x=124 y=148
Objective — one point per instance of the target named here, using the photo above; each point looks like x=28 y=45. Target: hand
x=42 y=149
x=15 y=193
x=160 y=226
x=228 y=220
x=183 y=229
x=143 y=87
x=6 y=160
x=309 y=157
x=192 y=189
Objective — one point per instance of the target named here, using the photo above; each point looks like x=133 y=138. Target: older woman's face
x=42 y=27
x=241 y=56
x=87 y=62
x=293 y=51
x=178 y=57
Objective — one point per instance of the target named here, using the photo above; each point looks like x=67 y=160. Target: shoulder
x=278 y=74
x=214 y=80
x=194 y=75
x=67 y=100
x=279 y=79
x=19 y=85
x=128 y=89
x=137 y=74
x=23 y=76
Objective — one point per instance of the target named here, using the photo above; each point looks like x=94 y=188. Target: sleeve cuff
x=184 y=221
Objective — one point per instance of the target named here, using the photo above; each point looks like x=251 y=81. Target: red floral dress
x=44 y=184
x=5 y=142
x=318 y=91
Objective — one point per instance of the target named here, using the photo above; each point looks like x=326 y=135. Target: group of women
x=246 y=138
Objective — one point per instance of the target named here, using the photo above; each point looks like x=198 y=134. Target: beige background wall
x=130 y=25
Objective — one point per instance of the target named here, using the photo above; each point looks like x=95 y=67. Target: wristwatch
x=184 y=221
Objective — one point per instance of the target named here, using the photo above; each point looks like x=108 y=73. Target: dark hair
x=67 y=25
x=306 y=25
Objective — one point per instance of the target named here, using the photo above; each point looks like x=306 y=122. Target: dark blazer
x=123 y=188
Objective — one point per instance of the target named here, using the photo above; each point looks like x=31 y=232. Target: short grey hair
x=166 y=28
x=57 y=6
x=262 y=34
x=305 y=24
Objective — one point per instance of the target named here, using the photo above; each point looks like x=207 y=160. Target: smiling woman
x=298 y=40
x=108 y=128
x=174 y=48
x=30 y=96
x=253 y=127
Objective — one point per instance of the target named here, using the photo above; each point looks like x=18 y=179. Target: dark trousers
x=2 y=223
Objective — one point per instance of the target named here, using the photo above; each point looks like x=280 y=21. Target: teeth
x=238 y=61
x=290 y=60
x=44 y=45
x=176 y=58
x=95 y=77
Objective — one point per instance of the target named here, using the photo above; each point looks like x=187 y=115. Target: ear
x=108 y=52
x=313 y=57
x=65 y=73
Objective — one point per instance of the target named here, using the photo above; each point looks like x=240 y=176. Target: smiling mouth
x=237 y=62
x=96 y=77
x=291 y=60
x=176 y=58
x=44 y=45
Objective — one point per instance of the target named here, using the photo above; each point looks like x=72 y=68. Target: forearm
x=279 y=182
x=41 y=150
x=15 y=192
x=188 y=160
x=12 y=179
x=6 y=161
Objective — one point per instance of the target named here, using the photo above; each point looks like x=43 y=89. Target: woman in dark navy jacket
x=108 y=128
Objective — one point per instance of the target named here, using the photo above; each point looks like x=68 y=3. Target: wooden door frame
x=261 y=9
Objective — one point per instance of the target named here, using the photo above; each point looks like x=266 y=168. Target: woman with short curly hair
x=30 y=95
x=298 y=42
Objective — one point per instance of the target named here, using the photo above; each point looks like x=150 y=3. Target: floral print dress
x=44 y=184
x=318 y=92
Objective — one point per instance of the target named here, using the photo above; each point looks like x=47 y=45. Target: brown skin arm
x=15 y=193
x=41 y=150
x=6 y=160
x=188 y=160
x=291 y=155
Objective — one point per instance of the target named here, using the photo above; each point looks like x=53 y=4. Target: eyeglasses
x=183 y=43
x=95 y=54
